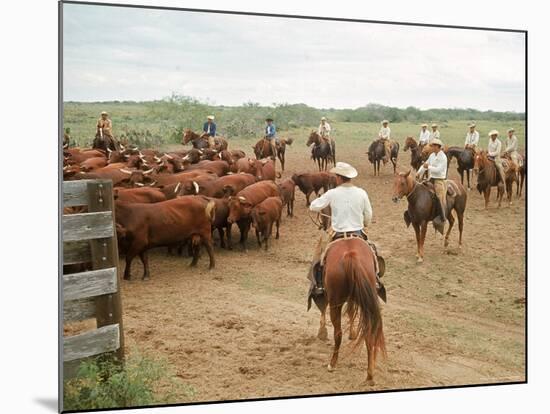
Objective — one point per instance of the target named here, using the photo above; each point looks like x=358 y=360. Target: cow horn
x=125 y=171
x=109 y=150
x=242 y=199
x=177 y=188
x=220 y=155
x=157 y=159
x=186 y=157
x=153 y=184
x=201 y=152
x=169 y=156
x=65 y=168
x=264 y=161
x=148 y=171
x=140 y=184
x=196 y=187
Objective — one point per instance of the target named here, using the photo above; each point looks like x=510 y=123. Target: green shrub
x=104 y=383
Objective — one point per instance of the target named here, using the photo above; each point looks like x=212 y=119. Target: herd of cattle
x=181 y=198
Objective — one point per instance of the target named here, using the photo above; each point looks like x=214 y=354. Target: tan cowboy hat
x=511 y=130
x=493 y=132
x=211 y=117
x=344 y=169
x=323 y=119
x=436 y=141
x=472 y=125
x=104 y=113
x=269 y=119
x=424 y=125
x=385 y=121
x=434 y=125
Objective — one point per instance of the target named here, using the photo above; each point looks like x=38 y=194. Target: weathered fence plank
x=78 y=310
x=75 y=193
x=97 y=341
x=87 y=226
x=76 y=252
x=88 y=284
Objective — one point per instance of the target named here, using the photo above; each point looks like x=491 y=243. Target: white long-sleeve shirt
x=494 y=147
x=472 y=138
x=424 y=137
x=384 y=133
x=511 y=144
x=350 y=205
x=324 y=130
x=437 y=166
x=434 y=135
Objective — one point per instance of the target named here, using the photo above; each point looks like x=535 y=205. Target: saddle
x=452 y=190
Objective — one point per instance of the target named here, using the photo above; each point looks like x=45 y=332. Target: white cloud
x=120 y=53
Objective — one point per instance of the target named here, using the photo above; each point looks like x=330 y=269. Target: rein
x=412 y=191
x=317 y=222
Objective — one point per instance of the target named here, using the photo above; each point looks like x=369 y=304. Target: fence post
x=104 y=254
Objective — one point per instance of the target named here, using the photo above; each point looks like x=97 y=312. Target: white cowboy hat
x=472 y=125
x=434 y=125
x=385 y=121
x=511 y=130
x=323 y=119
x=104 y=113
x=424 y=125
x=211 y=117
x=344 y=169
x=436 y=141
x=493 y=132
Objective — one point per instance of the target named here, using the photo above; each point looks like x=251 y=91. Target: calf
x=141 y=227
x=242 y=203
x=314 y=182
x=263 y=216
x=287 y=190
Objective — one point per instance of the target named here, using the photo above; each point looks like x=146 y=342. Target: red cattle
x=263 y=216
x=220 y=220
x=219 y=167
x=196 y=185
x=139 y=195
x=246 y=165
x=182 y=177
x=222 y=186
x=141 y=227
x=287 y=190
x=265 y=169
x=242 y=203
x=76 y=155
x=314 y=182
x=93 y=163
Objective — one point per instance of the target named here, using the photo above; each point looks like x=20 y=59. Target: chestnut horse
x=262 y=149
x=322 y=152
x=349 y=276
x=487 y=177
x=376 y=153
x=422 y=208
x=416 y=152
x=200 y=141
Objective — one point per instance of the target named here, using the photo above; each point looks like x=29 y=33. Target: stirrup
x=318 y=290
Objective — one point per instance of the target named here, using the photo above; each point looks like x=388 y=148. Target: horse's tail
x=363 y=301
x=289 y=141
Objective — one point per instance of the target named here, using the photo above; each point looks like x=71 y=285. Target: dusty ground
x=242 y=330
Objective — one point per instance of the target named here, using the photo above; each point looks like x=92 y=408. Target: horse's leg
x=451 y=224
x=370 y=366
x=307 y=197
x=336 y=319
x=468 y=177
x=352 y=330
x=460 y=215
x=500 y=194
x=487 y=194
x=417 y=234
x=423 y=229
x=323 y=333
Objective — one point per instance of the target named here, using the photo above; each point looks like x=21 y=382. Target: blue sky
x=115 y=53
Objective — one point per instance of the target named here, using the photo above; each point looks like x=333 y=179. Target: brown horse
x=423 y=208
x=262 y=149
x=350 y=277
x=488 y=177
x=322 y=153
x=200 y=141
x=376 y=153
x=521 y=173
x=416 y=152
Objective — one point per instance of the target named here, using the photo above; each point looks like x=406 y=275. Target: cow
x=246 y=165
x=287 y=190
x=196 y=185
x=170 y=191
x=141 y=227
x=263 y=216
x=182 y=177
x=220 y=222
x=222 y=186
x=77 y=156
x=242 y=203
x=314 y=182
x=139 y=195
x=93 y=163
x=219 y=167
x=264 y=169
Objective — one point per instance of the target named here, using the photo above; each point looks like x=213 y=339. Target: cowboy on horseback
x=424 y=136
x=436 y=166
x=435 y=134
x=351 y=213
x=324 y=132
x=104 y=133
x=209 y=130
x=493 y=153
x=511 y=150
x=472 y=137
x=270 y=135
x=384 y=136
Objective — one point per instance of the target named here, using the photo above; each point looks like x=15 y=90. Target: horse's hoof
x=330 y=368
x=419 y=260
x=370 y=382
x=322 y=334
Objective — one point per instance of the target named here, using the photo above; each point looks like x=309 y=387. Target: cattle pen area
x=242 y=330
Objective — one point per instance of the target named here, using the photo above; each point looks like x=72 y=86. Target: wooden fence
x=90 y=238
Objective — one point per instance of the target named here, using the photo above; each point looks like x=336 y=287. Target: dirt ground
x=242 y=331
